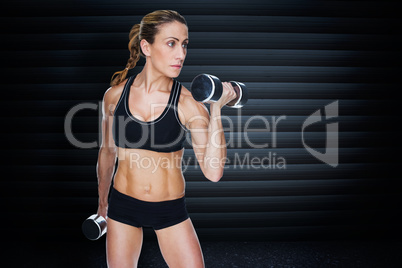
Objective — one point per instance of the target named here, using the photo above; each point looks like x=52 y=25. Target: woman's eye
x=185 y=45
x=171 y=44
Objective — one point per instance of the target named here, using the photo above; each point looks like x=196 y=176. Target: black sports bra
x=164 y=134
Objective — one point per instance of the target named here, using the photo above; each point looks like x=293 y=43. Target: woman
x=145 y=119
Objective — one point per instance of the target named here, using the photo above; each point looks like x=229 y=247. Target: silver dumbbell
x=94 y=227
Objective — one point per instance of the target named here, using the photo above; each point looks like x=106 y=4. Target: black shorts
x=139 y=213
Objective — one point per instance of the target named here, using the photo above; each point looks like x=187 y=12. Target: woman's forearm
x=215 y=153
x=105 y=169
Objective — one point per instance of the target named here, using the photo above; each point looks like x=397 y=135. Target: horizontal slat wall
x=295 y=57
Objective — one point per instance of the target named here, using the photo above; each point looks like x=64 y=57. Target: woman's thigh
x=180 y=246
x=123 y=244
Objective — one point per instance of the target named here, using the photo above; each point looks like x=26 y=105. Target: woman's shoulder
x=112 y=95
x=189 y=105
x=115 y=91
x=185 y=93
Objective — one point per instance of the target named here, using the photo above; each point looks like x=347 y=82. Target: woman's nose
x=181 y=54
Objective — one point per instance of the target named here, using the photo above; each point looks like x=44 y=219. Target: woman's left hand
x=228 y=94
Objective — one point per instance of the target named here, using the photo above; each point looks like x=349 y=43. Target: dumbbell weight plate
x=94 y=227
x=206 y=87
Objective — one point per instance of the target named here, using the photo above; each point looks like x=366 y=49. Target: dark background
x=294 y=56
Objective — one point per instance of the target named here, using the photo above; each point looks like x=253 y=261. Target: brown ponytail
x=135 y=51
x=146 y=30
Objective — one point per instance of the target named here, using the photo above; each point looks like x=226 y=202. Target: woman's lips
x=176 y=66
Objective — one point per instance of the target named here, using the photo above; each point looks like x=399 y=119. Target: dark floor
x=85 y=253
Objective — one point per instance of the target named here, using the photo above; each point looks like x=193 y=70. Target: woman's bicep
x=198 y=125
x=199 y=138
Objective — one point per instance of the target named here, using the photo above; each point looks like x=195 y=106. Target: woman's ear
x=145 y=47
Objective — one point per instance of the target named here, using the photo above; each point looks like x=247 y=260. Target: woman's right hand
x=102 y=211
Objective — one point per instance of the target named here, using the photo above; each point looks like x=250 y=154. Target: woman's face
x=169 y=49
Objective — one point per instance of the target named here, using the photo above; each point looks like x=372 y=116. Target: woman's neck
x=151 y=80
